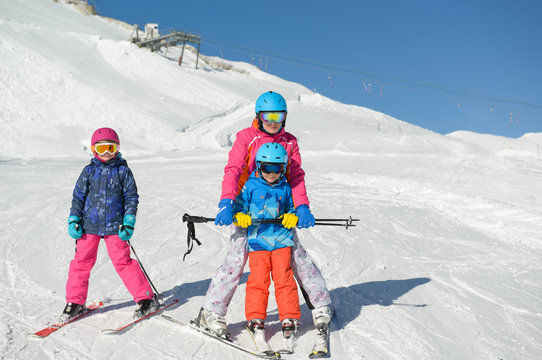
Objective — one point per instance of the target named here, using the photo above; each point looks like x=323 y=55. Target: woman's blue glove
x=306 y=218
x=225 y=212
x=74 y=227
x=126 y=230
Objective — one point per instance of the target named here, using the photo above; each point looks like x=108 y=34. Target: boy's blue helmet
x=272 y=153
x=271 y=101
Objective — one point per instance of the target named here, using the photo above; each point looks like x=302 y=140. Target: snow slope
x=444 y=264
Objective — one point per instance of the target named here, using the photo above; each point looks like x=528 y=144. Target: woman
x=268 y=126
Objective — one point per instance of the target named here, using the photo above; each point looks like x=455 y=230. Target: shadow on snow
x=347 y=301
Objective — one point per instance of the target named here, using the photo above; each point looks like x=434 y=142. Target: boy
x=267 y=195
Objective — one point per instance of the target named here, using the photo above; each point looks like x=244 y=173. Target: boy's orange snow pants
x=276 y=262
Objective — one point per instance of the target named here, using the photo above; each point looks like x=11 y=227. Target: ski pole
x=203 y=219
x=158 y=295
x=191 y=220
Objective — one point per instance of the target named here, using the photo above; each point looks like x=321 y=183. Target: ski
x=262 y=345
x=321 y=344
x=122 y=329
x=228 y=342
x=287 y=345
x=54 y=327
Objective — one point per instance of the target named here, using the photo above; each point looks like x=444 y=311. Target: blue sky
x=445 y=66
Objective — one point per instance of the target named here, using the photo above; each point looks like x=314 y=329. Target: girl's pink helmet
x=104 y=134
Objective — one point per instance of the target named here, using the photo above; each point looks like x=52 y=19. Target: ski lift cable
x=331 y=67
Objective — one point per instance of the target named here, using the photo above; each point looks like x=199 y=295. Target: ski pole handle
x=196 y=219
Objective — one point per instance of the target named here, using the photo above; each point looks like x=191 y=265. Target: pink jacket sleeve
x=237 y=164
x=296 y=176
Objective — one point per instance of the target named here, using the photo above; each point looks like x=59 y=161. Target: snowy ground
x=444 y=263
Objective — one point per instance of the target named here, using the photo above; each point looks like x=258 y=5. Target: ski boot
x=213 y=322
x=145 y=307
x=322 y=316
x=289 y=327
x=70 y=311
x=256 y=326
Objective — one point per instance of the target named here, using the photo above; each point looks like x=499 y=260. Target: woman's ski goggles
x=269 y=168
x=272 y=116
x=102 y=148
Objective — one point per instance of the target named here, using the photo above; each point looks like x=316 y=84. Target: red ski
x=52 y=328
x=124 y=328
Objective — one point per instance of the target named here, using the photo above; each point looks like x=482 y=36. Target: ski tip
x=108 y=331
x=36 y=336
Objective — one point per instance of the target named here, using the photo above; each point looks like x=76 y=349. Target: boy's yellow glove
x=289 y=220
x=242 y=220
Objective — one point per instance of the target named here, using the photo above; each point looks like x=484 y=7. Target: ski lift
x=151 y=31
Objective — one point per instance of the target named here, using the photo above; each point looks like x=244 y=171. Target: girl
x=104 y=205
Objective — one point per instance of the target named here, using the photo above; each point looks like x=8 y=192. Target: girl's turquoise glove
x=126 y=230
x=74 y=227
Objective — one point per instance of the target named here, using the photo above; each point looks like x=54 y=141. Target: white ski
x=287 y=345
x=229 y=342
x=125 y=327
x=263 y=347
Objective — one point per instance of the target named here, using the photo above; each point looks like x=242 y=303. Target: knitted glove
x=126 y=230
x=74 y=227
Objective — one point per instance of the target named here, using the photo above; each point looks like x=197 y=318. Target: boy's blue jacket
x=103 y=194
x=263 y=201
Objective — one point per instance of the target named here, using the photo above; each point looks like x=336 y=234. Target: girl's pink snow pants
x=119 y=252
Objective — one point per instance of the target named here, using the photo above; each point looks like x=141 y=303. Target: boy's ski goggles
x=102 y=148
x=269 y=168
x=272 y=116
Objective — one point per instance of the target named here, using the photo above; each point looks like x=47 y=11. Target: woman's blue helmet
x=271 y=101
